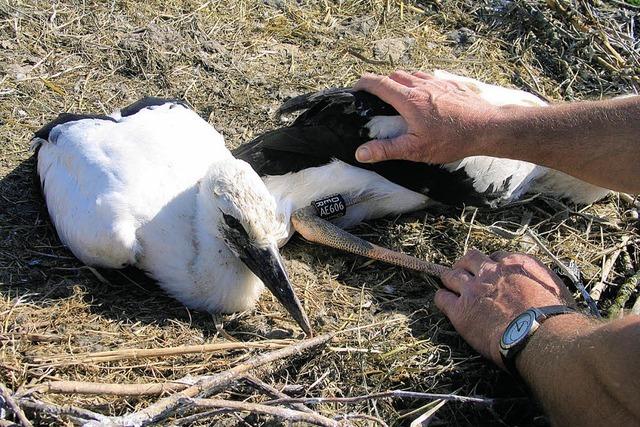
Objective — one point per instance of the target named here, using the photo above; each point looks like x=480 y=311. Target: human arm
x=448 y=121
x=582 y=371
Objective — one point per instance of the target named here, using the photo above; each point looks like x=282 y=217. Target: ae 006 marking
x=330 y=207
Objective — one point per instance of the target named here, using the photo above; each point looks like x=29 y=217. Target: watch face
x=518 y=329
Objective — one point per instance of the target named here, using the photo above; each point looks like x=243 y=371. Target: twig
x=598 y=288
x=206 y=387
x=390 y=393
x=189 y=420
x=5 y=393
x=576 y=281
x=361 y=57
x=633 y=201
x=85 y=387
x=53 y=409
x=626 y=289
x=284 y=413
x=141 y=353
x=425 y=418
x=274 y=392
x=361 y=417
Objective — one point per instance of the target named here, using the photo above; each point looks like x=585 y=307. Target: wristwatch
x=518 y=332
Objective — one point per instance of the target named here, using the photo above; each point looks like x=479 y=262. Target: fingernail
x=363 y=154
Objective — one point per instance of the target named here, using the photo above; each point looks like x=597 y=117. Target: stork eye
x=233 y=222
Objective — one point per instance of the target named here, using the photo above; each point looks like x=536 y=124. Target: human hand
x=446 y=120
x=484 y=293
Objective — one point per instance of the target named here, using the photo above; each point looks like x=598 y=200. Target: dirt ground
x=235 y=62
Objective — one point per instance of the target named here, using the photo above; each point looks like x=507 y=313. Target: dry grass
x=235 y=62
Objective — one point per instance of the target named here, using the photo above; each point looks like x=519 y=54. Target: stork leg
x=315 y=229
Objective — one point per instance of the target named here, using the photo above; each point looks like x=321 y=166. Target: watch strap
x=555 y=310
x=541 y=314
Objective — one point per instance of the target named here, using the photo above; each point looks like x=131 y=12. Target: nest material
x=235 y=62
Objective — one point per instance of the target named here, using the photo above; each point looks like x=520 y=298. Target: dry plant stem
x=206 y=387
x=633 y=201
x=391 y=393
x=361 y=417
x=599 y=287
x=274 y=392
x=83 y=387
x=626 y=289
x=284 y=413
x=142 y=353
x=317 y=230
x=427 y=416
x=69 y=410
x=190 y=419
x=577 y=282
x=145 y=389
x=7 y=396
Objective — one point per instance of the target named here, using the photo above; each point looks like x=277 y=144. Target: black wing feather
x=149 y=101
x=63 y=118
x=333 y=127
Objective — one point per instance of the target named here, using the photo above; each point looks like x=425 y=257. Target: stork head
x=245 y=216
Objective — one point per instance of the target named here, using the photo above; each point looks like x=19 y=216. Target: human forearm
x=447 y=120
x=585 y=372
x=598 y=142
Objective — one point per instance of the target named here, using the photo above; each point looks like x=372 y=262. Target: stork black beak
x=266 y=263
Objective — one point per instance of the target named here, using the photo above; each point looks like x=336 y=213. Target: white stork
x=153 y=186
x=315 y=157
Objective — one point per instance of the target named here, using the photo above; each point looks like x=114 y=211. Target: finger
x=454 y=85
x=388 y=90
x=446 y=301
x=404 y=78
x=424 y=76
x=498 y=256
x=383 y=149
x=473 y=261
x=456 y=280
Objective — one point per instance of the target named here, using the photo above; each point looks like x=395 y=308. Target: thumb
x=379 y=150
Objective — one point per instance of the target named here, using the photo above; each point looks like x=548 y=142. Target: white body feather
x=138 y=192
x=296 y=190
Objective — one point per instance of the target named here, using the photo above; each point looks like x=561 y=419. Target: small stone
x=394 y=49
x=462 y=36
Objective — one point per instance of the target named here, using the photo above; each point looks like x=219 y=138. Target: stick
x=284 y=413
x=274 y=392
x=383 y=394
x=84 y=387
x=361 y=417
x=425 y=418
x=6 y=394
x=627 y=288
x=207 y=386
x=599 y=287
x=633 y=201
x=141 y=353
x=53 y=409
